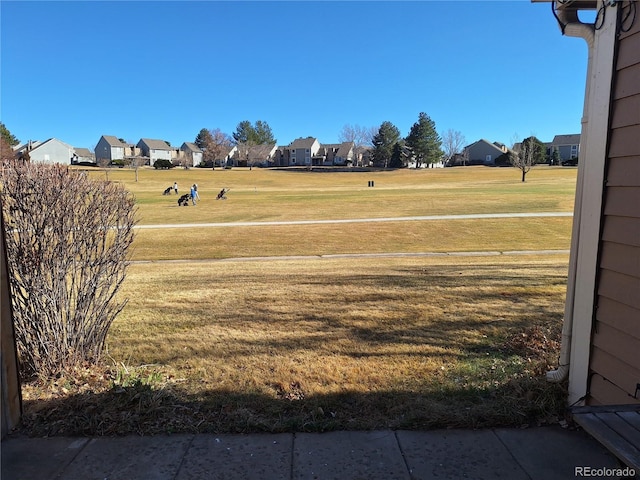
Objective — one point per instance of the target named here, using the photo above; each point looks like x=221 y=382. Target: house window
x=488 y=158
x=307 y=150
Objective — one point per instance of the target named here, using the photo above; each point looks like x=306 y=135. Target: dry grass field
x=209 y=343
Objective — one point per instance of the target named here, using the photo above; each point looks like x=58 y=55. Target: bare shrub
x=67 y=238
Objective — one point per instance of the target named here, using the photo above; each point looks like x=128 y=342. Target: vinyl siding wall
x=615 y=352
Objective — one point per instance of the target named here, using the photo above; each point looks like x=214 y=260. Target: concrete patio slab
x=125 y=458
x=250 y=457
x=456 y=454
x=352 y=455
x=25 y=458
x=550 y=453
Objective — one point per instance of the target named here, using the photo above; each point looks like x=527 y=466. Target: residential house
x=155 y=150
x=601 y=329
x=83 y=155
x=302 y=150
x=192 y=153
x=483 y=152
x=110 y=148
x=226 y=155
x=281 y=156
x=567 y=146
x=254 y=155
x=334 y=154
x=49 y=151
x=345 y=154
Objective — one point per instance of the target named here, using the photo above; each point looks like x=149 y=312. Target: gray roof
x=261 y=152
x=302 y=143
x=191 y=147
x=113 y=141
x=344 y=149
x=571 y=139
x=155 y=144
x=84 y=152
x=490 y=144
x=52 y=139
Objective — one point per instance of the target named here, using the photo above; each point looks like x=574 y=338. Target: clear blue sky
x=489 y=69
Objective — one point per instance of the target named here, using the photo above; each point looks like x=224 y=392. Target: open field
x=273 y=195
x=277 y=195
x=329 y=343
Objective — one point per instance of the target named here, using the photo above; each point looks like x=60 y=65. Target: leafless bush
x=67 y=239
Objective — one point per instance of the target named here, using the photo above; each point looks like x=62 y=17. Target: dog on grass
x=167 y=191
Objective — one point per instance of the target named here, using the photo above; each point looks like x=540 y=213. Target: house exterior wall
x=155 y=154
x=52 y=151
x=568 y=152
x=105 y=151
x=614 y=367
x=480 y=151
x=303 y=156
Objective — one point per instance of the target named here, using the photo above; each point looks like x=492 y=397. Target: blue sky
x=157 y=69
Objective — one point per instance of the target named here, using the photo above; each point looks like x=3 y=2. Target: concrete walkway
x=473 y=216
x=542 y=453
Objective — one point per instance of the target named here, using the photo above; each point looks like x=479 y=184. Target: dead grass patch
x=321 y=344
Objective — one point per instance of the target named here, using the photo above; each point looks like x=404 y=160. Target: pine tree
x=258 y=134
x=388 y=135
x=203 y=139
x=424 y=141
x=396 y=156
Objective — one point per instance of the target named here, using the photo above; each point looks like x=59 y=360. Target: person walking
x=194 y=194
x=175 y=187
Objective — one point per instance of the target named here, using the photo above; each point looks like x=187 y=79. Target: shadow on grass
x=143 y=410
x=493 y=358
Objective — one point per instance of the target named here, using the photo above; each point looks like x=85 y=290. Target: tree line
x=422 y=145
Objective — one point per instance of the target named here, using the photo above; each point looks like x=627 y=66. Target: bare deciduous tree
x=67 y=240
x=452 y=143
x=522 y=157
x=361 y=137
x=214 y=144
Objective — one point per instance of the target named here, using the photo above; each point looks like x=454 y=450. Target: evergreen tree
x=244 y=132
x=397 y=156
x=203 y=139
x=383 y=142
x=7 y=140
x=7 y=137
x=264 y=135
x=424 y=141
x=258 y=134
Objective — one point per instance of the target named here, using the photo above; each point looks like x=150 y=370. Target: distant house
x=192 y=154
x=567 y=146
x=334 y=154
x=302 y=150
x=83 y=155
x=483 y=152
x=254 y=155
x=110 y=148
x=154 y=150
x=49 y=151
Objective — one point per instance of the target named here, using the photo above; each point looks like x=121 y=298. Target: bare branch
x=68 y=239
